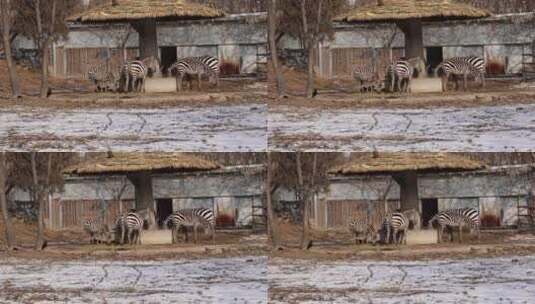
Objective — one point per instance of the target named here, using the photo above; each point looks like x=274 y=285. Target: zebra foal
x=97 y=230
x=459 y=218
x=183 y=219
x=196 y=66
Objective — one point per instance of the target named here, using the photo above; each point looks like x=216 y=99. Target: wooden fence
x=339 y=62
x=75 y=62
x=340 y=212
x=62 y=214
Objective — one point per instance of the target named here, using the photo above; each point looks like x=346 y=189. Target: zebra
x=128 y=227
x=101 y=76
x=367 y=226
x=460 y=218
x=134 y=73
x=205 y=65
x=395 y=223
x=402 y=71
x=462 y=66
x=367 y=77
x=97 y=230
x=191 y=218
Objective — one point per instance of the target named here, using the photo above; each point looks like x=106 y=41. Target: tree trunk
x=310 y=72
x=6 y=27
x=38 y=196
x=10 y=237
x=44 y=71
x=305 y=239
x=148 y=38
x=414 y=39
x=273 y=222
x=272 y=24
x=46 y=37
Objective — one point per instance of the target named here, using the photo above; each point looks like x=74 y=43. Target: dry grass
x=131 y=10
x=26 y=234
x=399 y=162
x=138 y=162
x=395 y=10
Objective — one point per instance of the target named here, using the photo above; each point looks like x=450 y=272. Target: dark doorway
x=429 y=209
x=169 y=57
x=434 y=58
x=164 y=207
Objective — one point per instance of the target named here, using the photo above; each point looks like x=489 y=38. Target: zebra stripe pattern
x=134 y=73
x=460 y=218
x=367 y=77
x=395 y=223
x=191 y=218
x=103 y=79
x=129 y=228
x=205 y=65
x=462 y=66
x=97 y=230
x=399 y=72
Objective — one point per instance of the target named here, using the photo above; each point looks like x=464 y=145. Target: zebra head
x=417 y=64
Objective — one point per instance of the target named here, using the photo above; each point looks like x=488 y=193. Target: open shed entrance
x=429 y=209
x=434 y=56
x=164 y=208
x=168 y=57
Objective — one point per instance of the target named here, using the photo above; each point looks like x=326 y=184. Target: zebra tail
x=431 y=221
x=437 y=68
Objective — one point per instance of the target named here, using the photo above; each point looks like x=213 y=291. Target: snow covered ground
x=498 y=280
x=489 y=128
x=215 y=128
x=225 y=280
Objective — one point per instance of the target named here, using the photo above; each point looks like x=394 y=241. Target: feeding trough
x=156 y=237
x=422 y=237
x=426 y=85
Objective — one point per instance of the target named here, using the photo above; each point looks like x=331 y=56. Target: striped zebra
x=394 y=224
x=464 y=67
x=97 y=230
x=128 y=227
x=366 y=76
x=465 y=217
x=134 y=73
x=367 y=226
x=400 y=73
x=186 y=218
x=199 y=66
x=103 y=79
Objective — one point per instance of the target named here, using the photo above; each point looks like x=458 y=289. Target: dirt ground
x=75 y=94
x=339 y=245
x=341 y=93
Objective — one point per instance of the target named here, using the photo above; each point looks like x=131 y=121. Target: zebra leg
x=388 y=234
x=460 y=233
x=213 y=233
x=440 y=231
x=483 y=84
x=195 y=235
x=199 y=81
x=179 y=82
x=465 y=80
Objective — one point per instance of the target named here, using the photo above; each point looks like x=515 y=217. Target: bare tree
x=272 y=26
x=10 y=236
x=273 y=223
x=311 y=22
x=6 y=13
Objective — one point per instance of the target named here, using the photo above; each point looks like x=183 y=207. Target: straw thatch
x=132 y=10
x=125 y=163
x=388 y=163
x=426 y=10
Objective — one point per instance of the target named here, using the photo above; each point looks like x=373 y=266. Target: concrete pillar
x=408 y=185
x=414 y=38
x=148 y=38
x=143 y=189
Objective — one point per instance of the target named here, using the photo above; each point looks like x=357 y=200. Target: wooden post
x=414 y=39
x=408 y=193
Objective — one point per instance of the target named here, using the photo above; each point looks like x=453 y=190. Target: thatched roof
x=390 y=163
x=425 y=10
x=132 y=10
x=125 y=163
